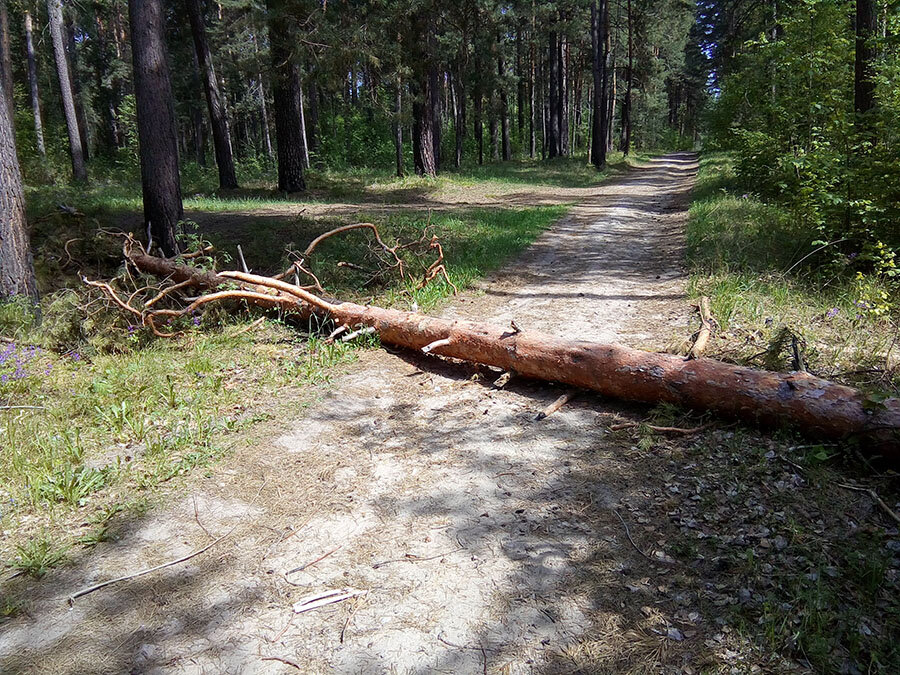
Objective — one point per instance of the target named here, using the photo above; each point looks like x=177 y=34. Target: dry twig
x=628 y=534
x=281 y=659
x=874 y=495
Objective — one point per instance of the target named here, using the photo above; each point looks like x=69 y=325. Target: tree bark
x=215 y=102
x=76 y=147
x=157 y=133
x=16 y=262
x=6 y=80
x=286 y=94
x=33 y=84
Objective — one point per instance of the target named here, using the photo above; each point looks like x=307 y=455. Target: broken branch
x=706 y=326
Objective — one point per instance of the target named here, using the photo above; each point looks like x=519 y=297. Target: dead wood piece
x=820 y=408
x=241 y=258
x=355 y=334
x=556 y=405
x=628 y=535
x=410 y=557
x=283 y=660
x=503 y=380
x=96 y=587
x=875 y=498
x=317 y=600
x=310 y=564
x=705 y=332
x=663 y=430
x=443 y=342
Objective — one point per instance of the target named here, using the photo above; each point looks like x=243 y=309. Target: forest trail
x=485 y=541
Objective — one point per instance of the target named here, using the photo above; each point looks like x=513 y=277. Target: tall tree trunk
x=398 y=126
x=532 y=118
x=423 y=114
x=6 y=80
x=54 y=11
x=105 y=94
x=33 y=84
x=435 y=101
x=303 y=138
x=599 y=29
x=864 y=82
x=520 y=86
x=553 y=86
x=160 y=180
x=611 y=108
x=84 y=130
x=313 y=118
x=16 y=263
x=263 y=109
x=199 y=137
x=263 y=105
x=563 y=97
x=215 y=102
x=626 y=105
x=495 y=130
x=286 y=94
x=504 y=110
x=478 y=130
x=459 y=116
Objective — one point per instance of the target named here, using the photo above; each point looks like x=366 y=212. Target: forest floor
x=482 y=540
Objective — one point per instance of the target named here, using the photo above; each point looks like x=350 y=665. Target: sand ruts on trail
x=484 y=540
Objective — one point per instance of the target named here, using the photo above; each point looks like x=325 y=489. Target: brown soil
x=485 y=541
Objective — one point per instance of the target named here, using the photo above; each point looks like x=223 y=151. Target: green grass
x=118 y=413
x=761 y=270
x=37 y=557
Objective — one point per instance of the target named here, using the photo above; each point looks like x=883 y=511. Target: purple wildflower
x=196 y=320
x=75 y=356
x=832 y=313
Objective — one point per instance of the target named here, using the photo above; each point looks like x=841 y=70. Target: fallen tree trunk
x=818 y=407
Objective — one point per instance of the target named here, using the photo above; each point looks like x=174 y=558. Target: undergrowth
x=767 y=278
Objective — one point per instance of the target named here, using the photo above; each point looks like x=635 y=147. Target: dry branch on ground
x=817 y=407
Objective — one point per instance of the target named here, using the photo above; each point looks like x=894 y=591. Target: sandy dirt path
x=482 y=541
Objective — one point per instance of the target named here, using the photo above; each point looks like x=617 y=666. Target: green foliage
x=753 y=259
x=37 y=557
x=787 y=110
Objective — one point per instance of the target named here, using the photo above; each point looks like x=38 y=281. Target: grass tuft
x=765 y=276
